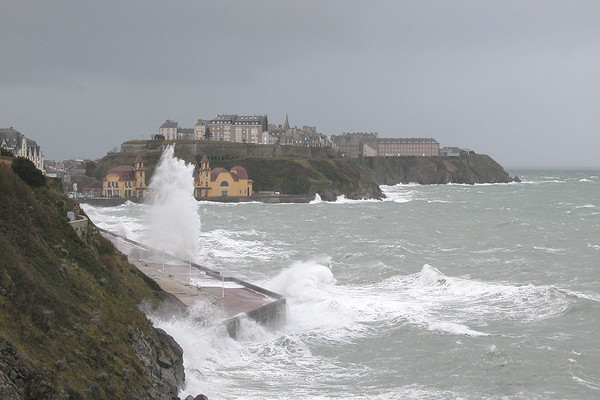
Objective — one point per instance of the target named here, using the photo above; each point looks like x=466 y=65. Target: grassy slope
x=66 y=303
x=328 y=177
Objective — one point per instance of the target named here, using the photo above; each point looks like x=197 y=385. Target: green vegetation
x=6 y=153
x=280 y=175
x=468 y=168
x=28 y=172
x=69 y=305
x=327 y=177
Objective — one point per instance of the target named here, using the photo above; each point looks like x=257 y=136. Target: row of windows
x=115 y=184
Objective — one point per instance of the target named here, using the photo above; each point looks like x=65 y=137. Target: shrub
x=105 y=246
x=108 y=261
x=28 y=172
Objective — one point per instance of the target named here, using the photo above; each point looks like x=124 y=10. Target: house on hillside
x=220 y=182
x=125 y=181
x=21 y=146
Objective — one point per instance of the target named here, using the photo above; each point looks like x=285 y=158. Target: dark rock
x=199 y=397
x=8 y=390
x=19 y=379
x=164 y=358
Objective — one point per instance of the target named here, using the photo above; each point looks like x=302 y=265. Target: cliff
x=468 y=168
x=70 y=327
x=329 y=178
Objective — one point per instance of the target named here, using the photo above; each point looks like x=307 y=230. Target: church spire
x=287 y=123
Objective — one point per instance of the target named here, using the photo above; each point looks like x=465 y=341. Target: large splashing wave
x=428 y=299
x=173 y=219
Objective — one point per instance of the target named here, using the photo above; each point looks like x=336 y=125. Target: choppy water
x=439 y=292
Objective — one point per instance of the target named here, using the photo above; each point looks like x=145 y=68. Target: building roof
x=139 y=158
x=407 y=140
x=223 y=118
x=169 y=124
x=204 y=160
x=240 y=172
x=11 y=137
x=125 y=172
x=13 y=140
x=235 y=119
x=220 y=170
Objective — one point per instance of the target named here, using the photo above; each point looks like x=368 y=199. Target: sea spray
x=173 y=219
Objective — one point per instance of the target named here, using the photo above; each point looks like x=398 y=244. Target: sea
x=487 y=291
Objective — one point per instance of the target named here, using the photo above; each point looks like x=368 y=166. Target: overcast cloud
x=518 y=80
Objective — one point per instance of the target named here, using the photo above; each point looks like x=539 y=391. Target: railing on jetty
x=273 y=313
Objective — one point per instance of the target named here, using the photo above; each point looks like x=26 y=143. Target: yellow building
x=219 y=182
x=125 y=181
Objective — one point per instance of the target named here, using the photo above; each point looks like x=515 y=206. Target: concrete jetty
x=193 y=283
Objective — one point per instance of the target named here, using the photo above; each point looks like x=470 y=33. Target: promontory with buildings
x=244 y=157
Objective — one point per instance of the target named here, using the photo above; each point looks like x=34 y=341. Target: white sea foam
x=428 y=299
x=316 y=200
x=399 y=193
x=220 y=247
x=173 y=221
x=304 y=281
x=454 y=328
x=343 y=200
x=459 y=299
x=549 y=249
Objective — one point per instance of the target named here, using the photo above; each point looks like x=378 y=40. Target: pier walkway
x=192 y=283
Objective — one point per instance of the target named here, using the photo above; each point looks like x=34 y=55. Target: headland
x=297 y=173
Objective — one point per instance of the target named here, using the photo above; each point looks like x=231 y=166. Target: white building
x=169 y=130
x=20 y=146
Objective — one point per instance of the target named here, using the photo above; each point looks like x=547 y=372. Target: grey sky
x=518 y=80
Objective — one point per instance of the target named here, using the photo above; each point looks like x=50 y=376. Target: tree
x=6 y=153
x=28 y=172
x=158 y=137
x=90 y=168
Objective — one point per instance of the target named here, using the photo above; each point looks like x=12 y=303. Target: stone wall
x=227 y=150
x=80 y=225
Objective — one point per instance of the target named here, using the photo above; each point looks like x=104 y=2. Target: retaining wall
x=271 y=314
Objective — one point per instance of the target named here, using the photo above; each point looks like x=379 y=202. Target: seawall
x=234 y=297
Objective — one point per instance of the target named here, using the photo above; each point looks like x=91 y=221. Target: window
x=224 y=184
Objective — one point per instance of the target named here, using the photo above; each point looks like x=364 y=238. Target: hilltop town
x=227 y=137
